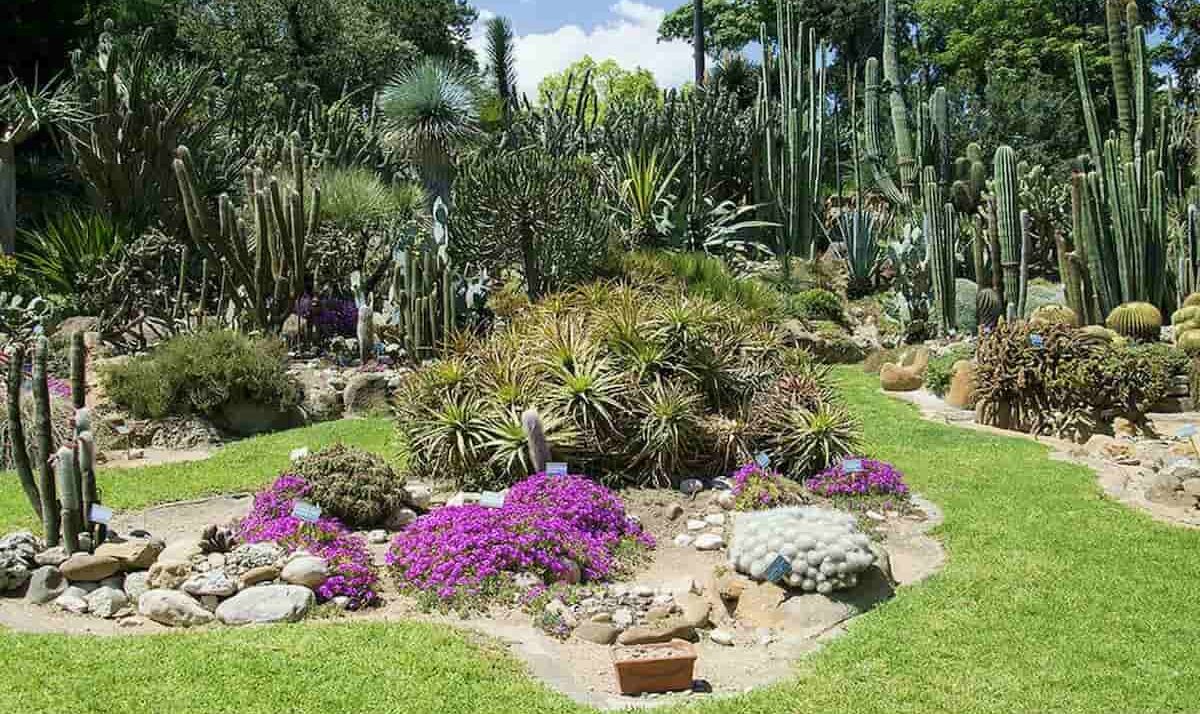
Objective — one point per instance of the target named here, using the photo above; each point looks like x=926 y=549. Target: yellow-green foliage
x=1189 y=342
x=1103 y=334
x=1192 y=300
x=1136 y=320
x=1054 y=315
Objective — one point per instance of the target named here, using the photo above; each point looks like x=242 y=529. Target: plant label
x=852 y=466
x=554 y=469
x=100 y=514
x=307 y=512
x=1187 y=432
x=763 y=460
x=123 y=429
x=779 y=569
x=1037 y=341
x=491 y=499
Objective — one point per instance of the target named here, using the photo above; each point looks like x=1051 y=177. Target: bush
x=704 y=276
x=1062 y=381
x=270 y=519
x=817 y=304
x=756 y=488
x=202 y=373
x=352 y=485
x=357 y=197
x=940 y=371
x=635 y=384
x=558 y=528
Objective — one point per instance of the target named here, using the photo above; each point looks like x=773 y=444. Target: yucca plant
x=447 y=438
x=642 y=187
x=668 y=431
x=431 y=112
x=804 y=440
x=862 y=233
x=69 y=247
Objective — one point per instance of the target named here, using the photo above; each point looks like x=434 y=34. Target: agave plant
x=861 y=232
x=69 y=247
x=431 y=112
x=643 y=195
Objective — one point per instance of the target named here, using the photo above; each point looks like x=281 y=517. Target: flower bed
x=271 y=519
x=755 y=488
x=872 y=479
x=558 y=528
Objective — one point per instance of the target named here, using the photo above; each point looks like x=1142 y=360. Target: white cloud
x=630 y=37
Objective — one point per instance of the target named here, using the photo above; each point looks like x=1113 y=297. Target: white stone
x=683 y=540
x=73 y=600
x=696 y=525
x=721 y=637
x=709 y=541
x=727 y=500
x=298 y=454
x=715 y=519
x=377 y=537
x=623 y=618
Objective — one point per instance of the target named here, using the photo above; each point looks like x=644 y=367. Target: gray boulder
x=267 y=603
x=106 y=602
x=17 y=551
x=366 y=393
x=136 y=584
x=172 y=608
x=213 y=582
x=45 y=585
x=307 y=570
x=73 y=600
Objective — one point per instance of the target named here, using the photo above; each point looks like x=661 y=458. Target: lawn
x=1054 y=600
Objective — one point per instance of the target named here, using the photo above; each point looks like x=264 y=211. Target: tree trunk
x=8 y=198
x=698 y=40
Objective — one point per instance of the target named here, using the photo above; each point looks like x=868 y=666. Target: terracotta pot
x=670 y=672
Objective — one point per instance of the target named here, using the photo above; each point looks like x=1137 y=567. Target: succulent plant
x=354 y=486
x=1189 y=342
x=1136 y=320
x=823 y=548
x=1056 y=315
x=1192 y=300
x=1102 y=335
x=1185 y=314
x=989 y=307
x=217 y=539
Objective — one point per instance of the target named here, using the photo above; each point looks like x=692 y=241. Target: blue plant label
x=123 y=429
x=779 y=569
x=1037 y=341
x=1187 y=432
x=763 y=460
x=307 y=512
x=555 y=469
x=491 y=499
x=852 y=466
x=100 y=514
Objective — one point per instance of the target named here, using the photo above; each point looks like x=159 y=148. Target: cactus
x=365 y=330
x=67 y=482
x=989 y=307
x=1102 y=335
x=85 y=456
x=1055 y=315
x=266 y=266
x=217 y=539
x=78 y=370
x=16 y=430
x=906 y=160
x=1136 y=320
x=1189 y=342
x=45 y=442
x=1188 y=277
x=535 y=433
x=941 y=231
x=1009 y=226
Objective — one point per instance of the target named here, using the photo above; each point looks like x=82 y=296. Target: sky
x=552 y=34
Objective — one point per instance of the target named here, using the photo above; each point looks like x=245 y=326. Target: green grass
x=242 y=466
x=1054 y=599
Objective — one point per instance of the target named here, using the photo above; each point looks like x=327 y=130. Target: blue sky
x=552 y=34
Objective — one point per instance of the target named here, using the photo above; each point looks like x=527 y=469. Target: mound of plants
x=352 y=574
x=868 y=477
x=1066 y=382
x=354 y=486
x=940 y=371
x=756 y=487
x=702 y=275
x=559 y=528
x=633 y=384
x=202 y=373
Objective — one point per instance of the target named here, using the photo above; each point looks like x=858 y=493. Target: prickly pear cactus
x=823 y=548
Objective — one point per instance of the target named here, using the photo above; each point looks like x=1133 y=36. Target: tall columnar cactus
x=365 y=331
x=267 y=264
x=45 y=442
x=906 y=160
x=1008 y=226
x=78 y=370
x=16 y=429
x=790 y=135
x=1121 y=75
x=70 y=498
x=941 y=232
x=423 y=301
x=1188 y=280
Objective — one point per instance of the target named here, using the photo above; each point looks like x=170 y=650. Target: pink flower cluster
x=556 y=527
x=876 y=478
x=349 y=560
x=755 y=487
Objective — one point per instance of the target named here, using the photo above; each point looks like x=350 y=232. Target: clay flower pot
x=663 y=667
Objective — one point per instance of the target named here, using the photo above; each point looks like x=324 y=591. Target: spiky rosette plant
x=1136 y=320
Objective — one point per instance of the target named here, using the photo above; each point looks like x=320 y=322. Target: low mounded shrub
x=940 y=371
x=756 y=488
x=201 y=373
x=354 y=486
x=270 y=519
x=817 y=304
x=560 y=528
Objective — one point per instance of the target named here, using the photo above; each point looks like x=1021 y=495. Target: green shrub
x=357 y=197
x=704 y=276
x=816 y=304
x=354 y=486
x=202 y=373
x=940 y=371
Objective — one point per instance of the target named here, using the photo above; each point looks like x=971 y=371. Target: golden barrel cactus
x=1136 y=320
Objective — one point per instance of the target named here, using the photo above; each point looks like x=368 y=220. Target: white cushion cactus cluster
x=823 y=548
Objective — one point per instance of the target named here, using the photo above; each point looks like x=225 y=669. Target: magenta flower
x=876 y=478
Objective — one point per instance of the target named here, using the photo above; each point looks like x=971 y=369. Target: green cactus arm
x=1121 y=81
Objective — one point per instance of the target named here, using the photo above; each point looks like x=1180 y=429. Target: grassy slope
x=1054 y=600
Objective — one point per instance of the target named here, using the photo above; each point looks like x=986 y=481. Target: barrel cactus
x=1189 y=342
x=989 y=308
x=1184 y=315
x=1192 y=300
x=1055 y=315
x=1136 y=320
x=1102 y=335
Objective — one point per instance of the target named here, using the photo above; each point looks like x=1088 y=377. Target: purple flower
x=876 y=478
x=755 y=487
x=331 y=317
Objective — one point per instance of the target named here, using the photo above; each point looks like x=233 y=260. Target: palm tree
x=22 y=112
x=503 y=64
x=431 y=111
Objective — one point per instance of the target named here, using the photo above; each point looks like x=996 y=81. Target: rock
x=696 y=610
x=672 y=511
x=214 y=582
x=1192 y=487
x=1124 y=427
x=696 y=525
x=73 y=600
x=17 y=559
x=136 y=584
x=267 y=603
x=89 y=568
x=731 y=585
x=721 y=637
x=216 y=560
x=727 y=500
x=181 y=550
x=366 y=393
x=962 y=386
x=67 y=329
x=168 y=574
x=715 y=519
x=659 y=632
x=400 y=519
x=623 y=618
x=419 y=497
x=172 y=608
x=252 y=555
x=116 y=582
x=45 y=584
x=602 y=617
x=55 y=556
x=307 y=570
x=298 y=454
x=377 y=537
x=261 y=574
x=893 y=378
x=341 y=602
x=683 y=540
x=135 y=553
x=691 y=486
x=658 y=613
x=210 y=602
x=1181 y=470
x=601 y=633
x=106 y=602
x=709 y=541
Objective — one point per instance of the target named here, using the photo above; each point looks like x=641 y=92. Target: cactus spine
x=45 y=442
x=941 y=229
x=1008 y=227
x=16 y=430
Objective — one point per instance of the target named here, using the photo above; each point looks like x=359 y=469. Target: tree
x=610 y=81
x=438 y=28
x=1182 y=51
x=36 y=37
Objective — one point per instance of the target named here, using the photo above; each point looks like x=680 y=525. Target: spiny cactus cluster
x=1136 y=320
x=1055 y=315
x=1186 y=321
x=823 y=548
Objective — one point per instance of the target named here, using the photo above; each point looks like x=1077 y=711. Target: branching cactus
x=941 y=231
